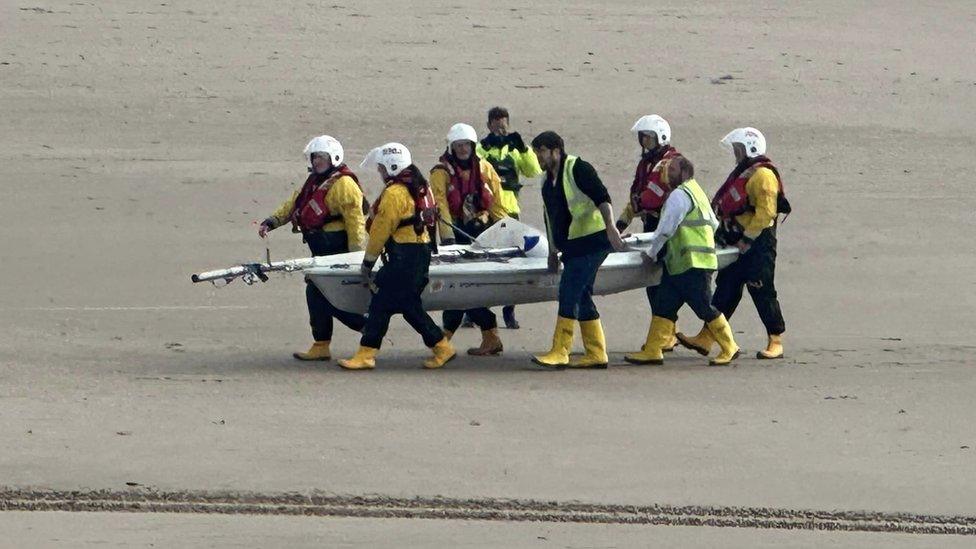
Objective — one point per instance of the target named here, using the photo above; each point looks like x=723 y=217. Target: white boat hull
x=486 y=283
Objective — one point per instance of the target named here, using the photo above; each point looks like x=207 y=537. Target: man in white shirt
x=687 y=227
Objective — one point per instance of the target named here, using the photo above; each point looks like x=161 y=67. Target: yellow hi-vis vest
x=693 y=244
x=586 y=216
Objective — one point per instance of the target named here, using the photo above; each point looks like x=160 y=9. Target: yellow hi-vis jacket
x=525 y=164
x=439 y=182
x=344 y=198
x=396 y=205
x=763 y=189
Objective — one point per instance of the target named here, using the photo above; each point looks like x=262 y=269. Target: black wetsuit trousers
x=320 y=311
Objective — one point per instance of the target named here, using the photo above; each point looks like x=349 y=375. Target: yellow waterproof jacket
x=526 y=164
x=344 y=198
x=762 y=188
x=395 y=206
x=439 y=182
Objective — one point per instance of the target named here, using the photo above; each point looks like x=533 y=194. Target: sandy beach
x=141 y=141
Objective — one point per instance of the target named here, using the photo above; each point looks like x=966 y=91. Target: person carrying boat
x=579 y=224
x=401 y=229
x=512 y=160
x=687 y=226
x=748 y=204
x=650 y=187
x=467 y=191
x=329 y=210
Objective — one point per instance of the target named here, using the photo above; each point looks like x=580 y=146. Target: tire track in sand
x=495 y=509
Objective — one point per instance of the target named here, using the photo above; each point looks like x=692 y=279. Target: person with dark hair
x=512 y=160
x=650 y=187
x=329 y=212
x=687 y=226
x=403 y=219
x=467 y=190
x=748 y=205
x=579 y=224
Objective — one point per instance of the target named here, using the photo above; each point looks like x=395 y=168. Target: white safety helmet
x=324 y=144
x=461 y=132
x=751 y=138
x=394 y=156
x=653 y=123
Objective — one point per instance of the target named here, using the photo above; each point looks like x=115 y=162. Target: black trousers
x=482 y=316
x=320 y=311
x=692 y=287
x=400 y=283
x=755 y=270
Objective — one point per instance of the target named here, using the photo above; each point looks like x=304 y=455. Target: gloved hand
x=492 y=141
x=553 y=263
x=366 y=271
x=621 y=225
x=265 y=226
x=515 y=140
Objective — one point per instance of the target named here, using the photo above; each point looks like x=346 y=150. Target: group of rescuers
x=476 y=183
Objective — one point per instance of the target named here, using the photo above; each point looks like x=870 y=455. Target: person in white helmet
x=650 y=187
x=401 y=227
x=748 y=205
x=467 y=190
x=513 y=160
x=329 y=210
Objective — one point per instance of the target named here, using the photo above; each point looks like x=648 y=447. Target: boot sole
x=348 y=369
x=639 y=362
x=493 y=352
x=550 y=366
x=761 y=356
x=735 y=356
x=599 y=366
x=691 y=346
x=303 y=359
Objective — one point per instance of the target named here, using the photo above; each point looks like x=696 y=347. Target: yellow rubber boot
x=562 y=342
x=595 y=345
x=701 y=343
x=774 y=349
x=443 y=353
x=722 y=333
x=657 y=336
x=365 y=359
x=491 y=344
x=318 y=351
x=672 y=341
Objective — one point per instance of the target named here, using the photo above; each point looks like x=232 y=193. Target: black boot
x=508 y=313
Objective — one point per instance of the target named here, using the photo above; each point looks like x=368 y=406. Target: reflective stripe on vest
x=586 y=216
x=693 y=243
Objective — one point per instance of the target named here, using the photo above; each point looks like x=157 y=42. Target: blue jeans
x=576 y=286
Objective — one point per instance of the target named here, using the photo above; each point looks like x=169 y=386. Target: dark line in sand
x=376 y=506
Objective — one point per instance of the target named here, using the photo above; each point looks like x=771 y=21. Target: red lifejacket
x=732 y=200
x=311 y=211
x=460 y=188
x=648 y=192
x=424 y=207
